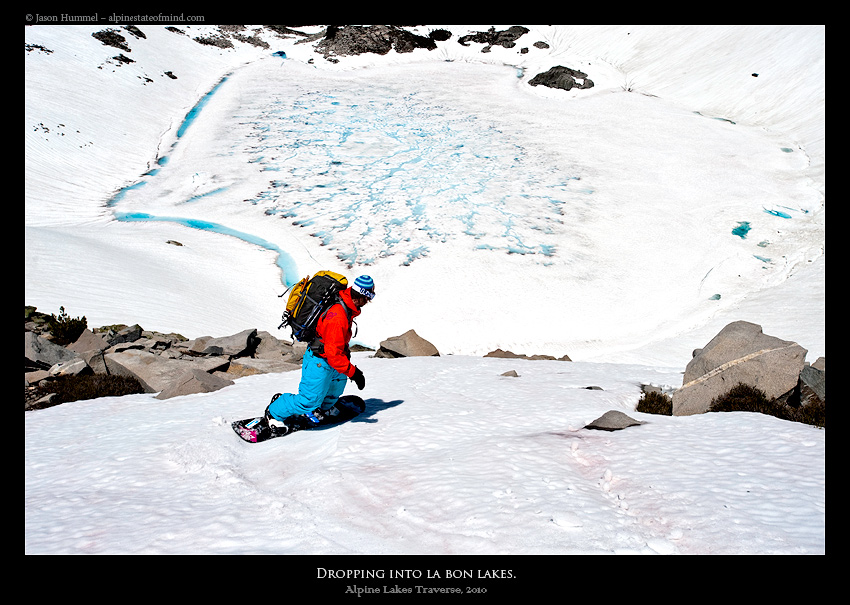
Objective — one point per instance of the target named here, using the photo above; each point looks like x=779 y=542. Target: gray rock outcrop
x=342 y=40
x=813 y=378
x=511 y=355
x=194 y=381
x=740 y=353
x=409 y=344
x=155 y=372
x=167 y=364
x=505 y=38
x=40 y=353
x=563 y=78
x=613 y=421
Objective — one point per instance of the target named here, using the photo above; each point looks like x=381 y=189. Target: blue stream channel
x=284 y=261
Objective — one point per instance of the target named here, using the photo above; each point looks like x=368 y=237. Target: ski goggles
x=369 y=294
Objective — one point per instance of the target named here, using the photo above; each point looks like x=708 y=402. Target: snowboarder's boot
x=278 y=428
x=348 y=404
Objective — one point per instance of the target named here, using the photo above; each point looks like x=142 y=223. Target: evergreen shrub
x=65 y=329
x=655 y=403
x=91 y=386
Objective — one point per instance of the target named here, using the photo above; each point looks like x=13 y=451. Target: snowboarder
x=326 y=365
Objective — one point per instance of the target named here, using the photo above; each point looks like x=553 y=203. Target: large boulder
x=128 y=334
x=409 y=344
x=88 y=341
x=813 y=377
x=235 y=345
x=248 y=366
x=75 y=367
x=155 y=372
x=341 y=40
x=270 y=347
x=740 y=353
x=194 y=381
x=563 y=78
x=95 y=360
x=506 y=38
x=613 y=421
x=40 y=353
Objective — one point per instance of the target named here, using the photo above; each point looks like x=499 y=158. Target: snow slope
x=619 y=213
x=450 y=458
x=639 y=217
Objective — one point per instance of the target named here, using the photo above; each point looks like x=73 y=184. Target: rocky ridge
x=168 y=364
x=172 y=365
x=335 y=42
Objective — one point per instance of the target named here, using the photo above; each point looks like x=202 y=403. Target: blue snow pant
x=320 y=386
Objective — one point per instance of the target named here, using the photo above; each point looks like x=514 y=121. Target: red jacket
x=334 y=330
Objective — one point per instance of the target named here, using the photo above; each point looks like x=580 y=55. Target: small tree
x=66 y=330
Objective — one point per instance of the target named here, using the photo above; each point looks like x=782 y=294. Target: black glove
x=359 y=379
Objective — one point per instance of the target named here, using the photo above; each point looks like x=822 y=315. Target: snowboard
x=257 y=430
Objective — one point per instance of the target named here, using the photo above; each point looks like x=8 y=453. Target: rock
x=74 y=367
x=510 y=355
x=814 y=377
x=88 y=341
x=270 y=347
x=155 y=372
x=409 y=344
x=44 y=354
x=236 y=345
x=128 y=334
x=31 y=378
x=213 y=351
x=95 y=360
x=506 y=38
x=153 y=342
x=740 y=353
x=43 y=402
x=297 y=354
x=194 y=381
x=563 y=78
x=162 y=363
x=247 y=366
x=197 y=345
x=511 y=373
x=111 y=37
x=126 y=346
x=344 y=40
x=613 y=421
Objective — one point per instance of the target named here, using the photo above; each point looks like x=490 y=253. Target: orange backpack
x=308 y=299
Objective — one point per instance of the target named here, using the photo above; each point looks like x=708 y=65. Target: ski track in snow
x=390 y=483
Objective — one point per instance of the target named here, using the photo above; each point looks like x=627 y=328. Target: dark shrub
x=64 y=329
x=75 y=388
x=813 y=413
x=745 y=398
x=655 y=403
